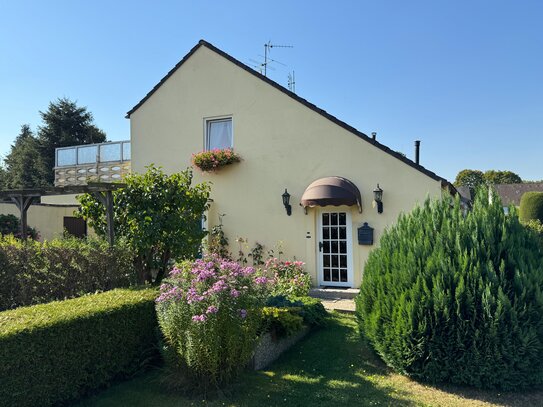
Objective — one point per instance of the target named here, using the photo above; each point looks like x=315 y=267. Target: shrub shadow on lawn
x=329 y=367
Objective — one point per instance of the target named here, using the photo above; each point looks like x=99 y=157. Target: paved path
x=339 y=304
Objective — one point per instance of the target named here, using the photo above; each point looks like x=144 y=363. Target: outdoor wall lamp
x=286 y=202
x=378 y=198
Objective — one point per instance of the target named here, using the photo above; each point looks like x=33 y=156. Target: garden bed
x=269 y=347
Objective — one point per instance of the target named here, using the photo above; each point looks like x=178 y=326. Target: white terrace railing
x=104 y=162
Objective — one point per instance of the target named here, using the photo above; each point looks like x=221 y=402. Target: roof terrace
x=103 y=162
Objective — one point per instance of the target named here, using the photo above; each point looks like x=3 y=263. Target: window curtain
x=220 y=134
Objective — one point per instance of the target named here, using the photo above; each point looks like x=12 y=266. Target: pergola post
x=106 y=199
x=23 y=203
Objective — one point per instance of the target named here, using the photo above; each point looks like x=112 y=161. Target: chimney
x=417 y=151
x=373 y=135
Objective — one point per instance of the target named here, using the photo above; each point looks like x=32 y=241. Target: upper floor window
x=219 y=134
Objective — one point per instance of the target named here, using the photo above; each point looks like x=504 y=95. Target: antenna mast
x=267 y=49
x=291 y=82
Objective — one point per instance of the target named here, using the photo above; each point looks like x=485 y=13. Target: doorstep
x=333 y=293
x=340 y=305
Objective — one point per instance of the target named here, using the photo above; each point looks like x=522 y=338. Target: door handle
x=320 y=246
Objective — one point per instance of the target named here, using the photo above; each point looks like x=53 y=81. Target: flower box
x=213 y=160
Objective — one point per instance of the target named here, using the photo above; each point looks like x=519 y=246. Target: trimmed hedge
x=531 y=206
x=55 y=352
x=33 y=272
x=457 y=297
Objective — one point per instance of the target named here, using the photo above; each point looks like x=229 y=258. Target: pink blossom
x=261 y=280
x=234 y=293
x=175 y=271
x=243 y=313
x=212 y=309
x=219 y=286
x=199 y=318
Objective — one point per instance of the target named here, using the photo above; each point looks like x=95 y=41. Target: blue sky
x=465 y=77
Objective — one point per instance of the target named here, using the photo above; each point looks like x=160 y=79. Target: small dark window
x=75 y=226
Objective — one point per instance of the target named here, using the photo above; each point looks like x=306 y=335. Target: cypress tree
x=456 y=297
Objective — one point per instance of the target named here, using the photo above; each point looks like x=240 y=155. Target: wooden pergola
x=23 y=198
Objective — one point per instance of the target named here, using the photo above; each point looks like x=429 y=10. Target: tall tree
x=475 y=178
x=23 y=163
x=64 y=124
x=501 y=177
x=469 y=178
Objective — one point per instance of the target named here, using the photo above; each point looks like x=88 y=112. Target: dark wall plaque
x=365 y=234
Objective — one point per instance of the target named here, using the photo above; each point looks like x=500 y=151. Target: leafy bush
x=32 y=272
x=55 y=352
x=212 y=160
x=282 y=321
x=158 y=215
x=454 y=298
x=209 y=314
x=289 y=277
x=310 y=309
x=531 y=206
x=9 y=225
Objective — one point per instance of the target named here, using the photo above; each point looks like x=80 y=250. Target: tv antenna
x=267 y=49
x=291 y=82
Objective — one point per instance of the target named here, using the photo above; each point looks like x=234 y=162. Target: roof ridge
x=299 y=99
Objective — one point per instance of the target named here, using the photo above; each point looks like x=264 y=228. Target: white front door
x=335 y=257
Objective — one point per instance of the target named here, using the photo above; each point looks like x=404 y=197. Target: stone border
x=268 y=350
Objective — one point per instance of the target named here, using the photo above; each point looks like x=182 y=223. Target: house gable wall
x=283 y=143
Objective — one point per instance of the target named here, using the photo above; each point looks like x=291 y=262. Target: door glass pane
x=326 y=259
x=343 y=233
x=333 y=218
x=343 y=275
x=343 y=247
x=334 y=233
x=325 y=219
x=326 y=233
x=335 y=262
x=326 y=274
x=333 y=247
x=343 y=260
x=326 y=247
x=342 y=218
x=335 y=275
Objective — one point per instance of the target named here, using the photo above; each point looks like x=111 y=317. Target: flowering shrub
x=289 y=277
x=209 y=314
x=214 y=159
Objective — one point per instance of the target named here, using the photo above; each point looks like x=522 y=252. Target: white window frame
x=207 y=124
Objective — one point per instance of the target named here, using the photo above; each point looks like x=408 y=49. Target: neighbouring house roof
x=510 y=194
x=464 y=192
x=366 y=138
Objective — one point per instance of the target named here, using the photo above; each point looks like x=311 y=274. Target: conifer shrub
x=531 y=206
x=454 y=297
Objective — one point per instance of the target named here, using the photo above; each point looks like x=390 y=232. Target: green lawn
x=332 y=367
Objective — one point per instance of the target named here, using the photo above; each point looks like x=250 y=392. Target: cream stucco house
x=209 y=100
x=330 y=170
